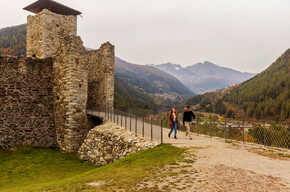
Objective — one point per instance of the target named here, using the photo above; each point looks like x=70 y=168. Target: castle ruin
x=44 y=96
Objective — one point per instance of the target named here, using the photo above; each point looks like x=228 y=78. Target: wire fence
x=274 y=134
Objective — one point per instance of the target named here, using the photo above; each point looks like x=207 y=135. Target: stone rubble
x=109 y=142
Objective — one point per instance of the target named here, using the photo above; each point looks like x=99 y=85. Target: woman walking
x=173 y=122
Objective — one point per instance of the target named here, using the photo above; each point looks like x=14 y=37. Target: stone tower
x=52 y=22
x=82 y=79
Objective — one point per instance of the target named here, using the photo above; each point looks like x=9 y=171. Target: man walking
x=187 y=120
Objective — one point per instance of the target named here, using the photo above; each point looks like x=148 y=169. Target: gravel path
x=233 y=166
x=213 y=165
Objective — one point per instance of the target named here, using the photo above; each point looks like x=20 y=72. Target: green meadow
x=49 y=169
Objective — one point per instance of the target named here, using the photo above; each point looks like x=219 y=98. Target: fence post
x=225 y=129
x=108 y=113
x=197 y=127
x=130 y=123
x=264 y=133
x=105 y=112
x=125 y=122
x=117 y=119
x=243 y=131
x=161 y=132
x=121 y=120
x=143 y=134
x=210 y=126
x=136 y=125
x=114 y=116
x=151 y=130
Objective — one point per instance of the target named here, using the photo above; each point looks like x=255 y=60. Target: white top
x=174 y=117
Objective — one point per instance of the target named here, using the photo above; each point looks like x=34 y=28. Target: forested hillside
x=130 y=99
x=268 y=93
x=265 y=96
x=165 y=90
x=13 y=40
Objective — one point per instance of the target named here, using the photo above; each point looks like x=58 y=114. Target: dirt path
x=213 y=165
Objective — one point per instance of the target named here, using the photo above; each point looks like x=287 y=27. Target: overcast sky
x=246 y=35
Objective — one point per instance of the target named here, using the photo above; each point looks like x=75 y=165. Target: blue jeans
x=175 y=129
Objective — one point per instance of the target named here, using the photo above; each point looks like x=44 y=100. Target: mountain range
x=164 y=89
x=204 y=77
x=265 y=96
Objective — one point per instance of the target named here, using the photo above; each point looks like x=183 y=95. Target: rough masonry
x=45 y=95
x=26 y=102
x=108 y=142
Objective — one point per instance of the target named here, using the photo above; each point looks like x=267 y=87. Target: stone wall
x=71 y=93
x=26 y=102
x=108 y=142
x=101 y=77
x=44 y=101
x=45 y=31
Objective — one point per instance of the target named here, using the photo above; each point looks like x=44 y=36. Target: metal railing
x=140 y=125
x=275 y=134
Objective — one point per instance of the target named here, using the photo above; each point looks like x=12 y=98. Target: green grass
x=43 y=169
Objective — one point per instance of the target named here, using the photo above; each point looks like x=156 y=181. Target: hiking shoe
x=168 y=135
x=175 y=137
x=190 y=138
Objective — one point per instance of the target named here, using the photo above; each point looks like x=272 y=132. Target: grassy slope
x=41 y=169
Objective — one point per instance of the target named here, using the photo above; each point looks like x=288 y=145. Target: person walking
x=187 y=120
x=173 y=122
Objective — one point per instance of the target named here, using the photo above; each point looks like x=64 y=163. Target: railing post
x=114 y=116
x=243 y=131
x=264 y=133
x=197 y=127
x=210 y=126
x=136 y=125
x=130 y=123
x=143 y=134
x=225 y=129
x=117 y=119
x=121 y=120
x=125 y=122
x=151 y=130
x=161 y=132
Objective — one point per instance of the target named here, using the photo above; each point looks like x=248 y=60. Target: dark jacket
x=171 y=120
x=187 y=116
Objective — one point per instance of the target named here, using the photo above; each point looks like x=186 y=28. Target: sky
x=246 y=35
